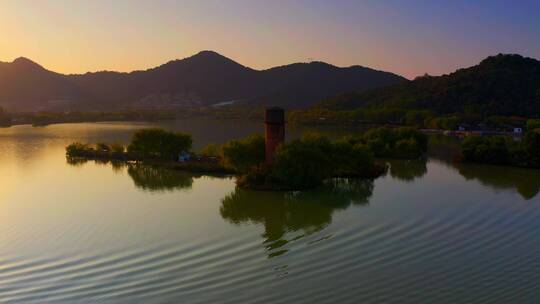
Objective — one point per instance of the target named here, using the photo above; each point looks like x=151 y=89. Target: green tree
x=407 y=148
x=158 y=143
x=418 y=137
x=532 y=146
x=303 y=163
x=402 y=142
x=350 y=159
x=242 y=155
x=380 y=141
x=533 y=124
x=211 y=150
x=491 y=150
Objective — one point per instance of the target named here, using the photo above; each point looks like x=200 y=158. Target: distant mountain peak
x=211 y=58
x=208 y=53
x=25 y=62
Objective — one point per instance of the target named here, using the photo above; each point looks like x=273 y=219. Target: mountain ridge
x=504 y=84
x=202 y=79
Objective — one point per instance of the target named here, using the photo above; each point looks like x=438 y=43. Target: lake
x=427 y=232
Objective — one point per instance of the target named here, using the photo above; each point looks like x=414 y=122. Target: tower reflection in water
x=286 y=212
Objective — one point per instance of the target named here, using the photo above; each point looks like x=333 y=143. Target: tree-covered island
x=297 y=164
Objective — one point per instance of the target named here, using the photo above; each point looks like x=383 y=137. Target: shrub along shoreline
x=299 y=164
x=154 y=147
x=504 y=151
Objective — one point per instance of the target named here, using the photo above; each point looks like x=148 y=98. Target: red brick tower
x=274 y=131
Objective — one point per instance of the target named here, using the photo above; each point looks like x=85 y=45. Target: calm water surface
x=427 y=232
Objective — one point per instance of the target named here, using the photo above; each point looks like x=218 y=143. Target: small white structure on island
x=184 y=156
x=518 y=130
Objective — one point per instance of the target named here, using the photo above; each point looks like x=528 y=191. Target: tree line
x=301 y=163
x=504 y=150
x=308 y=161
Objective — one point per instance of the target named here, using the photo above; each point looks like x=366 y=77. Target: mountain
x=25 y=83
x=203 y=79
x=499 y=85
x=300 y=84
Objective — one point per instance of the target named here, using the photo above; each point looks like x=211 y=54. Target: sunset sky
x=406 y=37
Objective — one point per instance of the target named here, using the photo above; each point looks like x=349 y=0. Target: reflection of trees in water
x=145 y=177
x=76 y=161
x=282 y=212
x=117 y=166
x=407 y=170
x=525 y=181
x=159 y=179
x=443 y=148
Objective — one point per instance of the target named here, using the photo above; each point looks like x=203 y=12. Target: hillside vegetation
x=500 y=85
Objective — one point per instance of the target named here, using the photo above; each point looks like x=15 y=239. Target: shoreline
x=203 y=165
x=449 y=133
x=454 y=133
